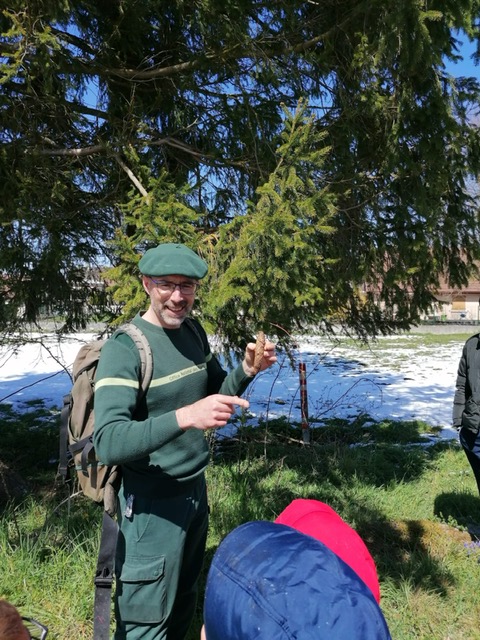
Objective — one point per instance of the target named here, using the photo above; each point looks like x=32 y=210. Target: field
x=414 y=503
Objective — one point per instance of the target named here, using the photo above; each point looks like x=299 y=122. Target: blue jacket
x=268 y=581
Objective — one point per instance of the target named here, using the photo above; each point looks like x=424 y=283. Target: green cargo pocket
x=141 y=594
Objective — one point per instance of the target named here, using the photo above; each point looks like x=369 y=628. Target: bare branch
x=76 y=153
x=132 y=177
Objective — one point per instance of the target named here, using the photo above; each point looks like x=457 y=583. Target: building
x=456 y=305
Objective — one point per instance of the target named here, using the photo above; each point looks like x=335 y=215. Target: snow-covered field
x=396 y=378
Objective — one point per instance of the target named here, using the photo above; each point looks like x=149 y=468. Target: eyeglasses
x=166 y=286
x=36 y=630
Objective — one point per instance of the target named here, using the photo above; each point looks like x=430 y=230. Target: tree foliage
x=317 y=154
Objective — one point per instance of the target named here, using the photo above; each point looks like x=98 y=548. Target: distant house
x=456 y=305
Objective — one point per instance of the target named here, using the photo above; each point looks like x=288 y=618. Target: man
x=466 y=403
x=161 y=446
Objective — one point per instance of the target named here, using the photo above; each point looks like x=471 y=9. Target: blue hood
x=268 y=581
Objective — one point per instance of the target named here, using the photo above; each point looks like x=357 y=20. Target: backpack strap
x=104 y=578
x=63 y=466
x=192 y=325
x=145 y=351
x=106 y=555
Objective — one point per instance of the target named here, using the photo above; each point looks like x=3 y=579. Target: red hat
x=320 y=521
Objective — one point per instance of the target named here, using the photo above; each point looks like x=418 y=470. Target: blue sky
x=465 y=67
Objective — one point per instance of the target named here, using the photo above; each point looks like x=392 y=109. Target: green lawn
x=415 y=506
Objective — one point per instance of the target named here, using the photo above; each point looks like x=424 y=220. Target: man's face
x=171 y=298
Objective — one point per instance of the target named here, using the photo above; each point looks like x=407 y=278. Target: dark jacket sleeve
x=461 y=390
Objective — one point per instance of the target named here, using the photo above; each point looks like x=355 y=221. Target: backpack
x=97 y=481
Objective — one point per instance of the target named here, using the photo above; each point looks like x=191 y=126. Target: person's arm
x=215 y=410
x=120 y=437
x=239 y=378
x=460 y=391
x=219 y=381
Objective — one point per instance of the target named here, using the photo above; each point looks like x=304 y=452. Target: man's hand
x=269 y=358
x=211 y=412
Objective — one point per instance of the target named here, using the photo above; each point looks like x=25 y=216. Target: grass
x=411 y=340
x=415 y=507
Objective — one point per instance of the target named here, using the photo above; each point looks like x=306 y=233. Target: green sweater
x=146 y=440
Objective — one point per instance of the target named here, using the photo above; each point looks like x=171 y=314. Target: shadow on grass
x=324 y=471
x=377 y=453
x=461 y=509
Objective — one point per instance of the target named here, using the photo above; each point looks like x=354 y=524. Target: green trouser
x=159 y=557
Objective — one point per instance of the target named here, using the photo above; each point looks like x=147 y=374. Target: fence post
x=304 y=402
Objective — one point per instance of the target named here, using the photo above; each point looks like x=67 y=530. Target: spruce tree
x=126 y=123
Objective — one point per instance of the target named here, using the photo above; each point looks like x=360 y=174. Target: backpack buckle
x=103 y=578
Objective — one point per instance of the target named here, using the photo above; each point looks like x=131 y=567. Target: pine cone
x=259 y=351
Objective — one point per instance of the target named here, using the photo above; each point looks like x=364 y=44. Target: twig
x=27 y=386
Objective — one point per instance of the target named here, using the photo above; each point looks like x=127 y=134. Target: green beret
x=172 y=259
